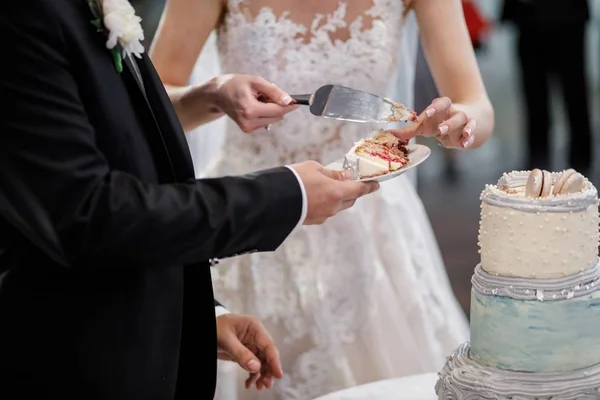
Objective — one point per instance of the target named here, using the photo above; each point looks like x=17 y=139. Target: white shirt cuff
x=304 y=211
x=220 y=310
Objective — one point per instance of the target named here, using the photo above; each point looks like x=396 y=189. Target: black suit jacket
x=545 y=12
x=104 y=231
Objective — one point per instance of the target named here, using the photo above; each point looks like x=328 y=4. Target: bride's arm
x=183 y=30
x=450 y=54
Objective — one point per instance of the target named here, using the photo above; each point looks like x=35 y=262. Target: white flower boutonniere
x=118 y=21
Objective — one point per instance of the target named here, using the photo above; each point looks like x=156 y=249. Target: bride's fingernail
x=468 y=132
x=286 y=100
x=443 y=129
x=430 y=111
x=467 y=142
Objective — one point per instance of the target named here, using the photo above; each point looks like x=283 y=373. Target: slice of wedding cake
x=380 y=154
x=535 y=303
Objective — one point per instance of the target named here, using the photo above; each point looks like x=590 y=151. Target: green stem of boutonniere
x=98 y=24
x=117 y=58
x=115 y=52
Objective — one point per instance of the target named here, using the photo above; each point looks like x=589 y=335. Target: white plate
x=417 y=153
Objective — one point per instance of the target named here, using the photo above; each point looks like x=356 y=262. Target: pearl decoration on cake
x=561 y=288
x=539 y=294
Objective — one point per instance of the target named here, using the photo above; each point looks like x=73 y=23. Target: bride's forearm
x=195 y=105
x=447 y=45
x=184 y=27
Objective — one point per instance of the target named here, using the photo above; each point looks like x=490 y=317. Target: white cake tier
x=537 y=238
x=465 y=379
x=536 y=325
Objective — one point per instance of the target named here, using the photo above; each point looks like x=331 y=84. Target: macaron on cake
x=570 y=181
x=540 y=183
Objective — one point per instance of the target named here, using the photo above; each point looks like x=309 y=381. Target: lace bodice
x=301 y=51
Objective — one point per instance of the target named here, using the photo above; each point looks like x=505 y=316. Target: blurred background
x=461 y=176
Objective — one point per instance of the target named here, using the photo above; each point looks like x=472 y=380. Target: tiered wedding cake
x=535 y=300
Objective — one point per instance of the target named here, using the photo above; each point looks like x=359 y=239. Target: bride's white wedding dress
x=365 y=296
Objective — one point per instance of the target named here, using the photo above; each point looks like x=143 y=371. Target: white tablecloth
x=417 y=387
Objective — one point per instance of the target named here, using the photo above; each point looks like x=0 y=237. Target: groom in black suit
x=105 y=289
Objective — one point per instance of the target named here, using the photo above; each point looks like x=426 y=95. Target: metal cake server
x=340 y=102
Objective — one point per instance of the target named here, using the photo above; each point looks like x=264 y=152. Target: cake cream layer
x=370 y=164
x=463 y=378
x=367 y=166
x=549 y=325
x=537 y=238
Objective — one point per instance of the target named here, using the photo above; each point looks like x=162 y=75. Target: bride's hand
x=452 y=124
x=238 y=97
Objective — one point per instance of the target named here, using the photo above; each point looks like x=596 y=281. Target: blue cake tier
x=536 y=325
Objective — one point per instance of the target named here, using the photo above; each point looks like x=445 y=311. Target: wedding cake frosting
x=466 y=379
x=535 y=303
x=541 y=237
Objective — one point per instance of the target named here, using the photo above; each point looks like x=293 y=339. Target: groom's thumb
x=244 y=357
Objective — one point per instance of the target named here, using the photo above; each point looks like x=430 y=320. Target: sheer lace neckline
x=337 y=27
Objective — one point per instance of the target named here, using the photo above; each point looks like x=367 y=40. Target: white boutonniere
x=117 y=20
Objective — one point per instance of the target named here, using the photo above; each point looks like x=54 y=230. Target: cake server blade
x=343 y=103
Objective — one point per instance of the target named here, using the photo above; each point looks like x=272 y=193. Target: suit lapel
x=166 y=119
x=152 y=94
x=135 y=72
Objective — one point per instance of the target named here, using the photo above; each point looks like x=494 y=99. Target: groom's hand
x=243 y=339
x=329 y=192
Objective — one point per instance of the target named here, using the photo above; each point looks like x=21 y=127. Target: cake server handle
x=302 y=99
